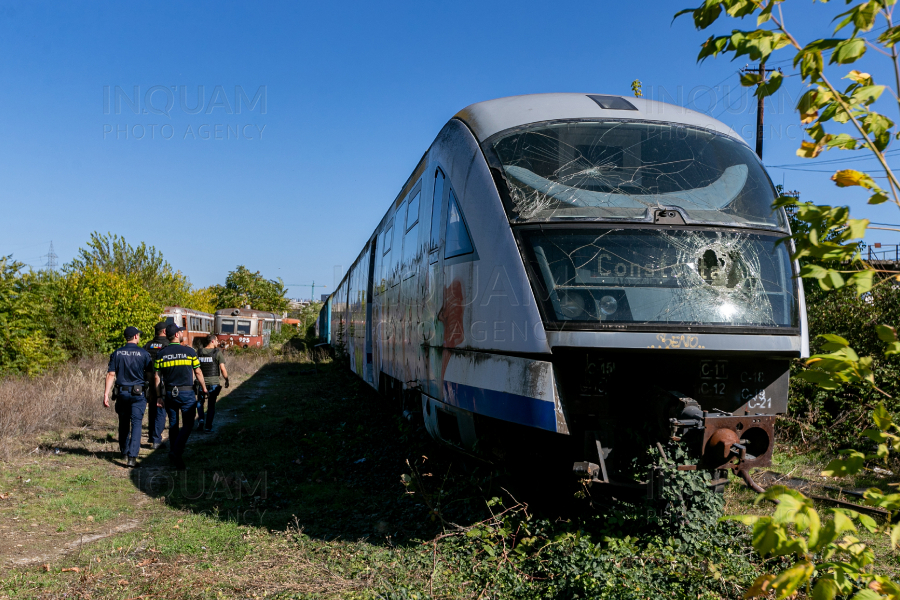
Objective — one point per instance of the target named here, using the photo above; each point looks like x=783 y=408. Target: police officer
x=126 y=370
x=212 y=364
x=177 y=365
x=156 y=416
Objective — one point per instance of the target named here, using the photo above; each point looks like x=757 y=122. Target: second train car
x=582 y=266
x=245 y=327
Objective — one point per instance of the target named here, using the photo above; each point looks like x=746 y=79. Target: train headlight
x=571 y=305
x=608 y=305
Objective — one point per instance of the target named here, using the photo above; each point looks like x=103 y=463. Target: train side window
x=376 y=276
x=411 y=239
x=412 y=212
x=227 y=325
x=436 y=208
x=398 y=245
x=386 y=261
x=457 y=241
x=243 y=327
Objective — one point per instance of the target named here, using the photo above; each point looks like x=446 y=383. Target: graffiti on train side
x=679 y=342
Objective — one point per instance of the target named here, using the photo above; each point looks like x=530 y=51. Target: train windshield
x=652 y=276
x=621 y=170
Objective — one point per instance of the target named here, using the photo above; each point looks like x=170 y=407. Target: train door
x=266 y=332
x=370 y=285
x=434 y=293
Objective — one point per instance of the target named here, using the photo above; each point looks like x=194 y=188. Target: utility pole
x=761 y=70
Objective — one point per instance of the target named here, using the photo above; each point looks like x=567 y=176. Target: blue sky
x=354 y=92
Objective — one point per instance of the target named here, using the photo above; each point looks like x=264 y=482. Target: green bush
x=94 y=307
x=833 y=419
x=27 y=332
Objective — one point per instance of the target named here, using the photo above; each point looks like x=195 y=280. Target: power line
x=838 y=160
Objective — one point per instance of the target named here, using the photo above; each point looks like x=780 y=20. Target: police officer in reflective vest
x=125 y=377
x=177 y=365
x=212 y=363
x=156 y=416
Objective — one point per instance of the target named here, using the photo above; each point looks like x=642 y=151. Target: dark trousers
x=210 y=413
x=156 y=421
x=130 y=409
x=185 y=404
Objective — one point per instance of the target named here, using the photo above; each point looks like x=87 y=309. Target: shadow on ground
x=315 y=448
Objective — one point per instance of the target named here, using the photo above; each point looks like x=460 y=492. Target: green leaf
x=868 y=522
x=882 y=418
x=788 y=581
x=843 y=467
x=813 y=271
x=844 y=141
x=835 y=339
x=848 y=51
x=823 y=380
x=895 y=535
x=863 y=280
x=770 y=86
x=878 y=198
x=866 y=594
x=825 y=589
x=750 y=79
x=886 y=333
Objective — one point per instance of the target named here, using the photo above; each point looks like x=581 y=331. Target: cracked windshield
x=655 y=276
x=621 y=170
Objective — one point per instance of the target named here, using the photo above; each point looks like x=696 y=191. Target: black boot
x=132 y=461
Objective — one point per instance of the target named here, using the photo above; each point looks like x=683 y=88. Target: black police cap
x=172 y=329
x=130 y=332
x=161 y=326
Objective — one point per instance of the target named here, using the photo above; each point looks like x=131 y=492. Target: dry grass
x=71 y=396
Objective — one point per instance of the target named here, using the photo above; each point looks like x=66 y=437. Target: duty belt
x=137 y=390
x=173 y=389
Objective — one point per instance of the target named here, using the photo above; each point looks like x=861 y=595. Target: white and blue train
x=568 y=268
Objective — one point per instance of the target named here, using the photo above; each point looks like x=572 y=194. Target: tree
x=827 y=550
x=243 y=287
x=145 y=264
x=94 y=307
x=27 y=341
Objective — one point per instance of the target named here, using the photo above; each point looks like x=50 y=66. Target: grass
x=300 y=494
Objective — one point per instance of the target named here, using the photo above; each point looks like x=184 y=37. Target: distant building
x=325 y=297
x=297 y=304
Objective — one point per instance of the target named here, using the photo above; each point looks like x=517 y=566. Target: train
x=197 y=324
x=246 y=327
x=574 y=272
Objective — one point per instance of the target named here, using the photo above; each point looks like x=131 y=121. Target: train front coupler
x=716 y=440
x=721 y=440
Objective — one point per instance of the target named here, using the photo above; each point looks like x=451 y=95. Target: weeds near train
x=828 y=559
x=640 y=548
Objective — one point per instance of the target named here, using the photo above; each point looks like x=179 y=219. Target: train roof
x=493 y=116
x=245 y=312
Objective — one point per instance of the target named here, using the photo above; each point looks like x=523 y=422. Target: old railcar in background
x=245 y=327
x=197 y=324
x=563 y=270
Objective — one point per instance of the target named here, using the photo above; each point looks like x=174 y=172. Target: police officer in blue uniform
x=178 y=365
x=125 y=377
x=156 y=415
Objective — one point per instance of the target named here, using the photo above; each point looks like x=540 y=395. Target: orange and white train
x=197 y=324
x=246 y=327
